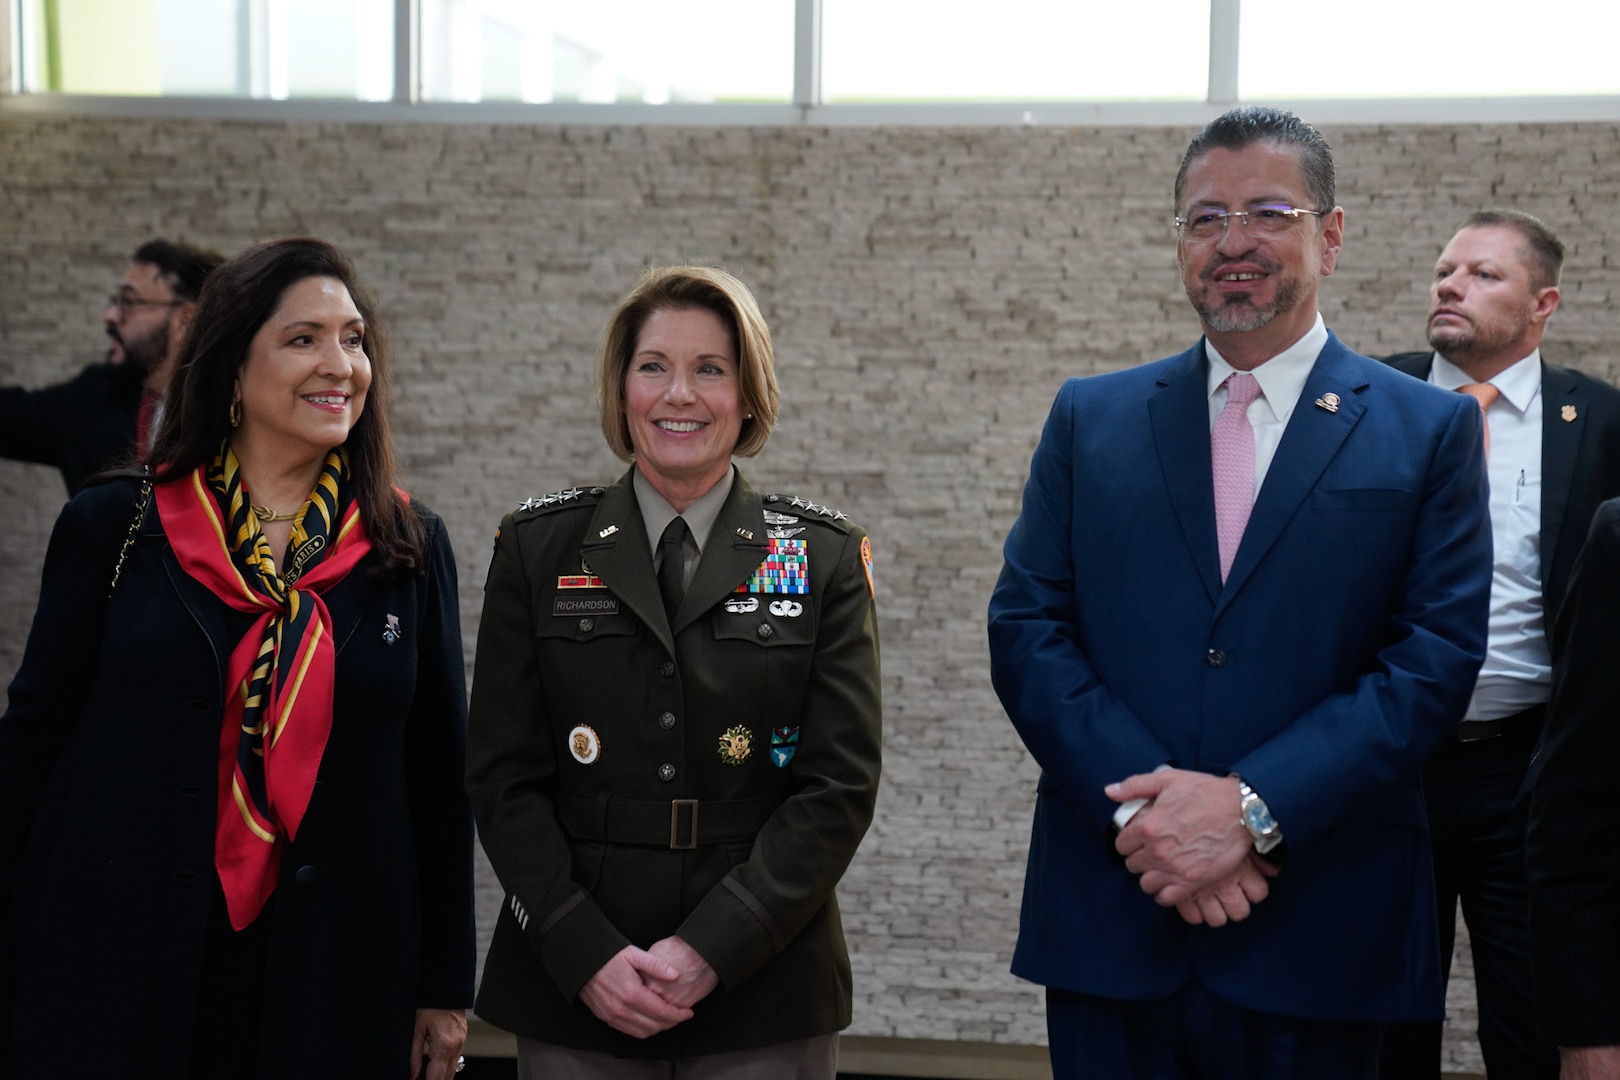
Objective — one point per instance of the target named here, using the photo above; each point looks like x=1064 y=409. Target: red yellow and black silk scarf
x=279 y=680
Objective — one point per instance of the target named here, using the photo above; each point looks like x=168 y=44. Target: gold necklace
x=264 y=513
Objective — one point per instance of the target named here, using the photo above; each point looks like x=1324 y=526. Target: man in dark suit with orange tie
x=1553 y=450
x=1244 y=600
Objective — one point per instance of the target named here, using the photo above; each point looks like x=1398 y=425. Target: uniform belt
x=680 y=824
x=1480 y=730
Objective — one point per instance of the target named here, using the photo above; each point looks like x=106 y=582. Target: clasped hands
x=642 y=992
x=1188 y=845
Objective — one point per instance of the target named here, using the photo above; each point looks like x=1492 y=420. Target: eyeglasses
x=1267 y=219
x=124 y=303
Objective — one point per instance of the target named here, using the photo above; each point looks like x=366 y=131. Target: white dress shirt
x=1281 y=379
x=1518 y=667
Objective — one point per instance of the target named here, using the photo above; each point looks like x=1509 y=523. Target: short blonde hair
x=687 y=288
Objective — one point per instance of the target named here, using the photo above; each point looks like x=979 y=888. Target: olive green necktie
x=672 y=568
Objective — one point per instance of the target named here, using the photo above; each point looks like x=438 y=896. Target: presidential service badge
x=584 y=745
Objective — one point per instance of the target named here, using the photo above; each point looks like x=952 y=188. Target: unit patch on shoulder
x=866 y=561
x=786 y=569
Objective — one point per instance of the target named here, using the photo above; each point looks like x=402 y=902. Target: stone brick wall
x=928 y=290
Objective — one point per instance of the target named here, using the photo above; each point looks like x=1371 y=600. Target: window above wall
x=810 y=61
x=275 y=49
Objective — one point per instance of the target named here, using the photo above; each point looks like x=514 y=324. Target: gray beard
x=1241 y=316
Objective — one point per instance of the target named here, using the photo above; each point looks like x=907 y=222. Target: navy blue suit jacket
x=1336 y=657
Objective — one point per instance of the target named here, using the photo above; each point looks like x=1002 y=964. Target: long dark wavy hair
x=236 y=301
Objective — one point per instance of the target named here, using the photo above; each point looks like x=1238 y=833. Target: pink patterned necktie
x=1231 y=446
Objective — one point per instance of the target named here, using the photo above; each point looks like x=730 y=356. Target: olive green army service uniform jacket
x=635 y=779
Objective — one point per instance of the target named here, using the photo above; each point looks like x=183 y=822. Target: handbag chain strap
x=141 y=502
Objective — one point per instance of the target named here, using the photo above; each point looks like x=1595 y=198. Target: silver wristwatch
x=1256 y=817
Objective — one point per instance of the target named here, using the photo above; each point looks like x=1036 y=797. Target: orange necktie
x=1484 y=393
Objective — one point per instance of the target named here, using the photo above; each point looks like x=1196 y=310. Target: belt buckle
x=675 y=806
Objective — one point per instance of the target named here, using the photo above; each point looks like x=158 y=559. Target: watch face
x=1258 y=818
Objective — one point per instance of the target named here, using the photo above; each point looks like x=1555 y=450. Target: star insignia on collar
x=531 y=504
x=802 y=504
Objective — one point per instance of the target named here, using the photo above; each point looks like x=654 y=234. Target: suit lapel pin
x=391 y=631
x=607 y=532
x=1329 y=402
x=1568 y=413
x=744 y=533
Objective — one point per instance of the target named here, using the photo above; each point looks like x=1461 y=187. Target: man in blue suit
x=1231 y=637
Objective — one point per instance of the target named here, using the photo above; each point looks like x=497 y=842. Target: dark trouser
x=1193 y=1036
x=815 y=1058
x=1472 y=789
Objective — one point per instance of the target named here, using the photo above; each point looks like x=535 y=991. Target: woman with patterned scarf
x=233 y=837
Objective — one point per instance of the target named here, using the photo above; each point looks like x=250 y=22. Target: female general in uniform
x=234 y=840
x=676 y=718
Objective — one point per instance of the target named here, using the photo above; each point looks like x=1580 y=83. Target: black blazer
x=108 y=799
x=81 y=426
x=1580 y=465
x=1572 y=859
x=1573 y=846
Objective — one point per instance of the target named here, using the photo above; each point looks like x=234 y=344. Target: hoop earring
x=236 y=413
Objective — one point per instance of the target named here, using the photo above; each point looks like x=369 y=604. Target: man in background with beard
x=110 y=410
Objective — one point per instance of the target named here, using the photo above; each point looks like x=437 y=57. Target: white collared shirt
x=1281 y=379
x=1518 y=666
